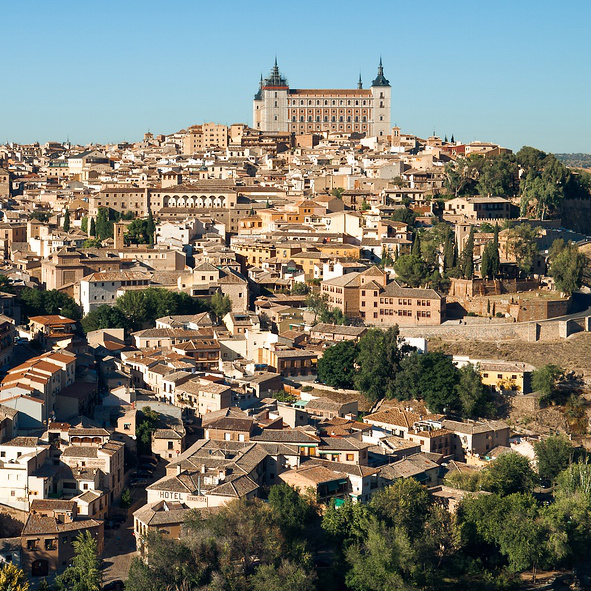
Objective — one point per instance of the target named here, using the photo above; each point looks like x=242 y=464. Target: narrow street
x=119 y=552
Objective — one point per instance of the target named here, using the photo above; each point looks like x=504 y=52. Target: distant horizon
x=515 y=74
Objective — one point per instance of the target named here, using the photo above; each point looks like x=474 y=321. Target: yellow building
x=506 y=375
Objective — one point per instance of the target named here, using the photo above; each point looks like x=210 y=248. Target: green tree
x=40 y=216
x=151 y=228
x=337 y=192
x=5 y=284
x=567 y=264
x=132 y=304
x=469 y=481
x=521 y=242
x=568 y=520
x=545 y=380
x=498 y=176
x=336 y=367
x=467 y=265
x=378 y=360
x=404 y=215
x=288 y=576
x=461 y=175
x=416 y=245
x=220 y=304
x=248 y=532
x=431 y=377
x=347 y=523
x=293 y=511
x=473 y=396
x=574 y=480
x=449 y=253
x=176 y=564
x=84 y=224
x=92 y=243
x=84 y=574
x=104 y=316
x=512 y=525
x=66 y=225
x=146 y=425
x=509 y=473
x=553 y=455
x=137 y=232
x=12 y=578
x=411 y=269
x=92 y=227
x=103 y=227
x=317 y=304
x=35 y=302
x=125 y=498
x=485 y=265
x=405 y=504
x=299 y=288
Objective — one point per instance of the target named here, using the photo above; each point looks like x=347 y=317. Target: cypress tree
x=485 y=265
x=92 y=227
x=468 y=256
x=151 y=228
x=495 y=259
x=448 y=253
x=67 y=220
x=416 y=245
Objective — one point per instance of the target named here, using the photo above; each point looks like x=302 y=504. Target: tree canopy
x=36 y=302
x=378 y=359
x=553 y=455
x=567 y=264
x=336 y=367
x=521 y=243
x=411 y=269
x=84 y=574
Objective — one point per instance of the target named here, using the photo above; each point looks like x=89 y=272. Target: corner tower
x=381 y=92
x=270 y=102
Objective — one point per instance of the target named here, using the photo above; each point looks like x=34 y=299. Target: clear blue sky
x=513 y=72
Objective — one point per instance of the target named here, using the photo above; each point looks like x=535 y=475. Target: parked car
x=147 y=467
x=141 y=474
x=119 y=518
x=149 y=460
x=112 y=524
x=138 y=482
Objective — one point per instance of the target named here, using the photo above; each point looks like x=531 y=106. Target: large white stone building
x=277 y=107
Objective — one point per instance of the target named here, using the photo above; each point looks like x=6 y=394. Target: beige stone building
x=369 y=296
x=202 y=137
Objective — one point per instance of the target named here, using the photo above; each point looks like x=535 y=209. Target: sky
x=512 y=72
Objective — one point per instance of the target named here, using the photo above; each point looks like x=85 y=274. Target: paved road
x=119 y=552
x=120 y=543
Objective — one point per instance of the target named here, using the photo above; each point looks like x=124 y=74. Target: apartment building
x=369 y=296
x=33 y=386
x=202 y=396
x=479 y=208
x=105 y=287
x=21 y=478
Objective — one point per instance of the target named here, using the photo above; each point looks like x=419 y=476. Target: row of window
x=333 y=119
x=499 y=376
x=294 y=103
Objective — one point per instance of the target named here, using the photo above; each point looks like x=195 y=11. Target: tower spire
x=380 y=79
x=360 y=83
